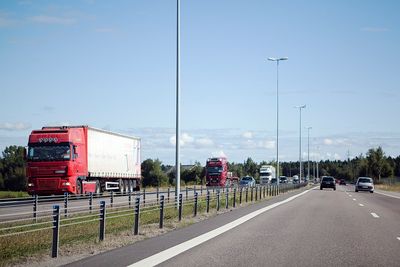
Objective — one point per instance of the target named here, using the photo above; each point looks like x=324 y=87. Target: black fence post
x=194 y=189
x=158 y=194
x=208 y=201
x=162 y=212
x=137 y=215
x=240 y=195
x=195 y=203
x=201 y=189
x=260 y=192
x=90 y=202
x=256 y=191
x=112 y=199
x=56 y=231
x=168 y=193
x=247 y=194
x=66 y=204
x=226 y=199
x=130 y=198
x=102 y=220
x=187 y=194
x=144 y=196
x=264 y=190
x=251 y=194
x=217 y=199
x=180 y=207
x=35 y=205
x=234 y=197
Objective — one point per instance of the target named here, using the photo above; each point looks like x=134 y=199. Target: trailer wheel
x=130 y=182
x=121 y=186
x=78 y=186
x=98 y=187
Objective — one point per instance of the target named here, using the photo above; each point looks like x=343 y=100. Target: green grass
x=13 y=194
x=387 y=187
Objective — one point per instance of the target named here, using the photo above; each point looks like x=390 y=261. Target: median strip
x=178 y=249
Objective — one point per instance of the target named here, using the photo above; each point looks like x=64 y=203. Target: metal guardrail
x=53 y=219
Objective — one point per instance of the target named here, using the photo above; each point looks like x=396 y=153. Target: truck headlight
x=66 y=183
x=31 y=184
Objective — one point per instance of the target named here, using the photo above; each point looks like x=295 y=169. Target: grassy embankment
x=13 y=194
x=389 y=187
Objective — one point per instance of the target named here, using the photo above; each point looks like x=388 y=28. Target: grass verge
x=387 y=187
x=13 y=194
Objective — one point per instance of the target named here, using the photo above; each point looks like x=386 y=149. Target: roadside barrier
x=44 y=220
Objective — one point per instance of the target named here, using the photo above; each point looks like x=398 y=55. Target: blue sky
x=111 y=65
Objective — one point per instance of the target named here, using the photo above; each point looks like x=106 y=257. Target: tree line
x=374 y=164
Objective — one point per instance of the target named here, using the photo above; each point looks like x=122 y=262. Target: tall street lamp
x=177 y=133
x=308 y=153
x=300 y=107
x=277 y=112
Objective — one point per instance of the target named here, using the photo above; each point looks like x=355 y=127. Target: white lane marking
x=374 y=215
x=178 y=249
x=361 y=205
x=398 y=238
x=350 y=195
x=354 y=199
x=386 y=194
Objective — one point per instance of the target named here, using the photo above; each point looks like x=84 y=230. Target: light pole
x=300 y=107
x=277 y=112
x=177 y=133
x=308 y=153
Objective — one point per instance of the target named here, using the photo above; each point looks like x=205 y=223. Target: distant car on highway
x=295 y=179
x=364 y=184
x=342 y=182
x=247 y=181
x=283 y=180
x=328 y=182
x=274 y=181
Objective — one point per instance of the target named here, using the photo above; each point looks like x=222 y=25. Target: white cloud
x=19 y=126
x=53 y=20
x=185 y=139
x=328 y=141
x=204 y=142
x=247 y=135
x=267 y=144
x=219 y=153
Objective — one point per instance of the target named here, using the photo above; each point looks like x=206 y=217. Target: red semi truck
x=81 y=159
x=217 y=173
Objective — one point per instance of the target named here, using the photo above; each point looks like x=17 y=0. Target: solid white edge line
x=374 y=215
x=386 y=194
x=178 y=249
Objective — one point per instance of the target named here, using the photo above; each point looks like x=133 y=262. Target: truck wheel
x=78 y=186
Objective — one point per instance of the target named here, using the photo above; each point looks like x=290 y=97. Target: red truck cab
x=56 y=161
x=217 y=171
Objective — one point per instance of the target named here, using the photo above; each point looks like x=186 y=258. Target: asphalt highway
x=317 y=228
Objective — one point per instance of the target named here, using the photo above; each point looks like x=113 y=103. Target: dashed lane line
x=361 y=205
x=374 y=215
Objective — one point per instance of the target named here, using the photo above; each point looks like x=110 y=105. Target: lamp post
x=308 y=153
x=277 y=112
x=177 y=133
x=300 y=107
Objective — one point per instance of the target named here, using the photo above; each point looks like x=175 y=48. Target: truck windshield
x=216 y=169
x=49 y=152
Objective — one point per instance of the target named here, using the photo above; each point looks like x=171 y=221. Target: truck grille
x=47 y=183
